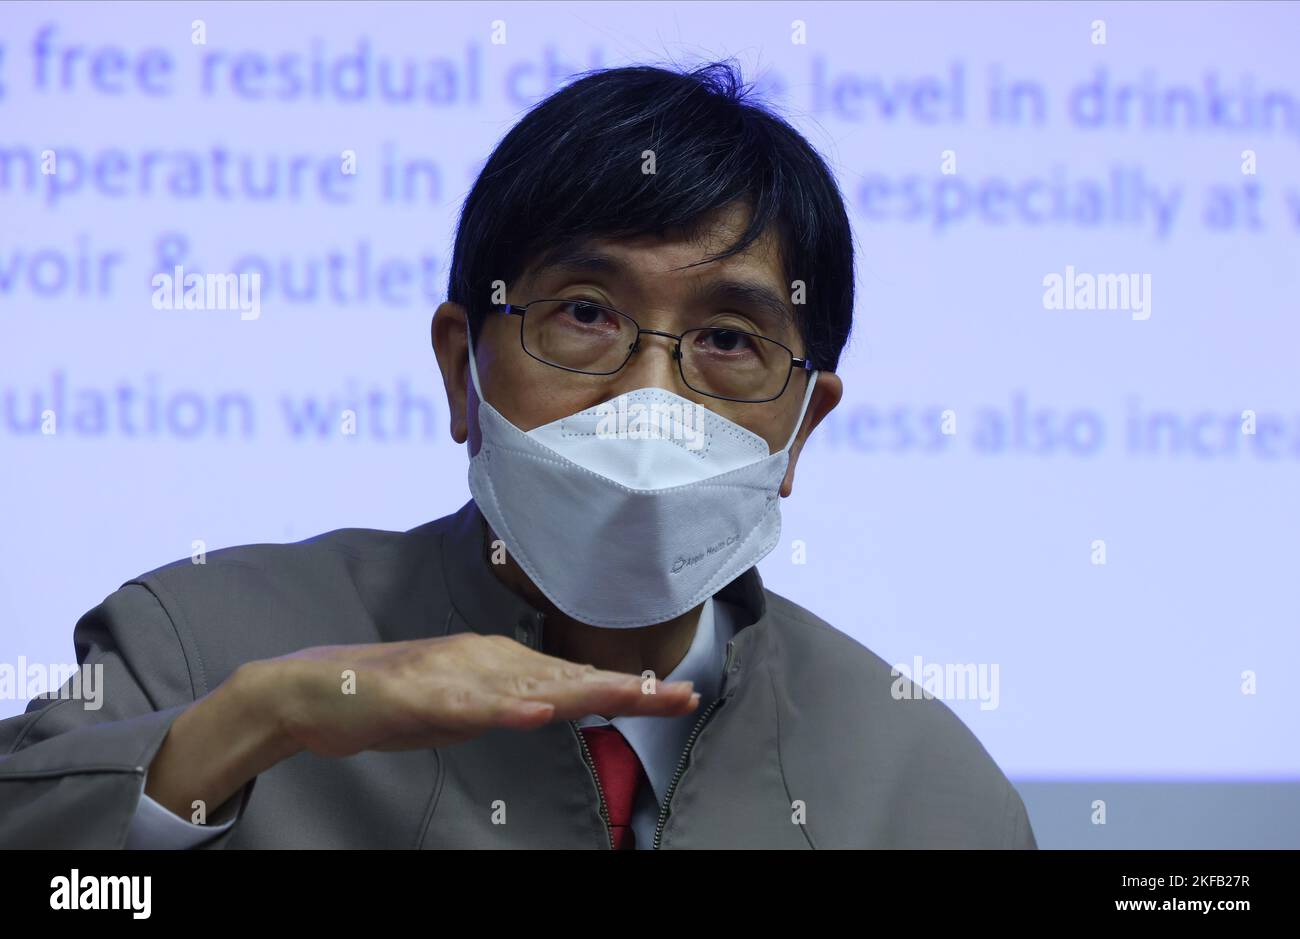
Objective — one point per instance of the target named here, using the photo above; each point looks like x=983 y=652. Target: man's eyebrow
x=749 y=296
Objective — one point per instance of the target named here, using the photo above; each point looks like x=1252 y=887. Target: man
x=583 y=656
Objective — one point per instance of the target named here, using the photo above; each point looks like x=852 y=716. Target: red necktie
x=621 y=776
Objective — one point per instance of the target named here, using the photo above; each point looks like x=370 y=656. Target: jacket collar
x=486 y=605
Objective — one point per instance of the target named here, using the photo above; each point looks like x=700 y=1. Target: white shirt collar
x=659 y=741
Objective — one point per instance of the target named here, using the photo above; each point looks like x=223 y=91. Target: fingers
x=475 y=712
x=538 y=672
x=523 y=702
x=619 y=694
x=550 y=667
x=540 y=664
x=432 y=693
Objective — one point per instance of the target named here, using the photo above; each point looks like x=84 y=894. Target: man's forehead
x=662 y=254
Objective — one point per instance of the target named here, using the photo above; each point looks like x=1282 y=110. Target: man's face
x=641 y=278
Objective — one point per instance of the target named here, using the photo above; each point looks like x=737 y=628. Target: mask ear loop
x=807 y=396
x=473 y=368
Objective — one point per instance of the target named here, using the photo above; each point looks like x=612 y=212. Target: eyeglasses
x=578 y=335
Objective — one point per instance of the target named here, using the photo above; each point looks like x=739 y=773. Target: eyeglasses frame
x=515 y=309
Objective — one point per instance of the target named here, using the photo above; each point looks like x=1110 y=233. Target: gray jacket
x=805 y=746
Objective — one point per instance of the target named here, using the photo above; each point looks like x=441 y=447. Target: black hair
x=570 y=169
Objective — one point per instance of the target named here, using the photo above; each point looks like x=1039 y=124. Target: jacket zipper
x=586 y=758
x=686 y=752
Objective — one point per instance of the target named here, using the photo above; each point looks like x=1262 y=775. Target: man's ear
x=449 y=333
x=826 y=394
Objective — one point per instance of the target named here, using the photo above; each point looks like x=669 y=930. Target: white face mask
x=629 y=521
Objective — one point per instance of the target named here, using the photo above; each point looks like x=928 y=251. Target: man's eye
x=726 y=340
x=585 y=313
